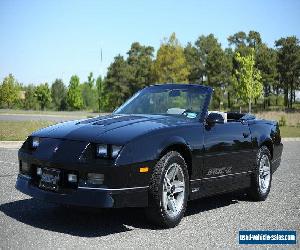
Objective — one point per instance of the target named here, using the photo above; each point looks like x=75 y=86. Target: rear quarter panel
x=267 y=133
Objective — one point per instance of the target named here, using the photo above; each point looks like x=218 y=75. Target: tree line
x=246 y=72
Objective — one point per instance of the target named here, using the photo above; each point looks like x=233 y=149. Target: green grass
x=290 y=131
x=19 y=130
x=48 y=112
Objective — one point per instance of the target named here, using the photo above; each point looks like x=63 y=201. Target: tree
x=140 y=62
x=194 y=63
x=170 y=64
x=266 y=60
x=89 y=95
x=288 y=51
x=30 y=101
x=9 y=91
x=58 y=94
x=43 y=95
x=117 y=83
x=229 y=54
x=74 y=98
x=247 y=82
x=99 y=86
x=238 y=39
x=216 y=65
x=242 y=42
x=91 y=80
x=253 y=39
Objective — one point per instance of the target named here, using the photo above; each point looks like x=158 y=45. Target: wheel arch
x=183 y=149
x=269 y=144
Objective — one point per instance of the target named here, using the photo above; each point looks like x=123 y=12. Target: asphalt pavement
x=209 y=223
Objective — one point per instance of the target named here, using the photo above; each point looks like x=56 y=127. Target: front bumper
x=123 y=186
x=87 y=196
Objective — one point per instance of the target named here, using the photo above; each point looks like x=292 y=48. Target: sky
x=44 y=40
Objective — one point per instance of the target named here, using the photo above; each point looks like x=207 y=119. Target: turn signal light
x=25 y=167
x=144 y=170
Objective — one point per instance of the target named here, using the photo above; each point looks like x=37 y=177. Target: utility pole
x=99 y=83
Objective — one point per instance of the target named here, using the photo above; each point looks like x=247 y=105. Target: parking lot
x=210 y=222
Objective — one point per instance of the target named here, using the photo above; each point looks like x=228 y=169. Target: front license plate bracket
x=50 y=179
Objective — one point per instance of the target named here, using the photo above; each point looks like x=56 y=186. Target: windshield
x=185 y=101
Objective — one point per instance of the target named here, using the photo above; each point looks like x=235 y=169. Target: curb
x=11 y=144
x=18 y=144
x=291 y=139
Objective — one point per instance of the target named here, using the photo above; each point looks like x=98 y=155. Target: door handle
x=245 y=135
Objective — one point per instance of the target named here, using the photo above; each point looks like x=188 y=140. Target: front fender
x=149 y=147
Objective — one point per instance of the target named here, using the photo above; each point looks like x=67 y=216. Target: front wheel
x=168 y=191
x=262 y=178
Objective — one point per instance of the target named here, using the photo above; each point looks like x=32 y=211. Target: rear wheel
x=168 y=191
x=262 y=178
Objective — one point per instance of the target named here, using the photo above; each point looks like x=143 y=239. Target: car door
x=227 y=154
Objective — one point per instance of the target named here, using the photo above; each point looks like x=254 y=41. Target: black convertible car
x=158 y=150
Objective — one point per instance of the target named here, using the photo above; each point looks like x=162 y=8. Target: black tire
x=255 y=192
x=156 y=212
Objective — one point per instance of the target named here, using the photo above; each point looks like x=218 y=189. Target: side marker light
x=144 y=170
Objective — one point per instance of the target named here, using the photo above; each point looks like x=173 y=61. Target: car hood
x=115 y=129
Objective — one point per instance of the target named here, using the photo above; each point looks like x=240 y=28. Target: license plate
x=50 y=179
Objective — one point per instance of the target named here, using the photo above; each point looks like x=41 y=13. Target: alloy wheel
x=173 y=190
x=264 y=174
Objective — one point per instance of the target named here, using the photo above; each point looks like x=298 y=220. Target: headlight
x=115 y=150
x=35 y=142
x=108 y=151
x=102 y=151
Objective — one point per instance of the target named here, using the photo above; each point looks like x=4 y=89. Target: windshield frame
x=190 y=87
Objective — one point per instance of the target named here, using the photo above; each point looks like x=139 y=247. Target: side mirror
x=214 y=118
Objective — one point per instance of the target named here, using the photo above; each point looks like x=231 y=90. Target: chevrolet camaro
x=158 y=150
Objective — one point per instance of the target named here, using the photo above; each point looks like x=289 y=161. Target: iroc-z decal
x=219 y=171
